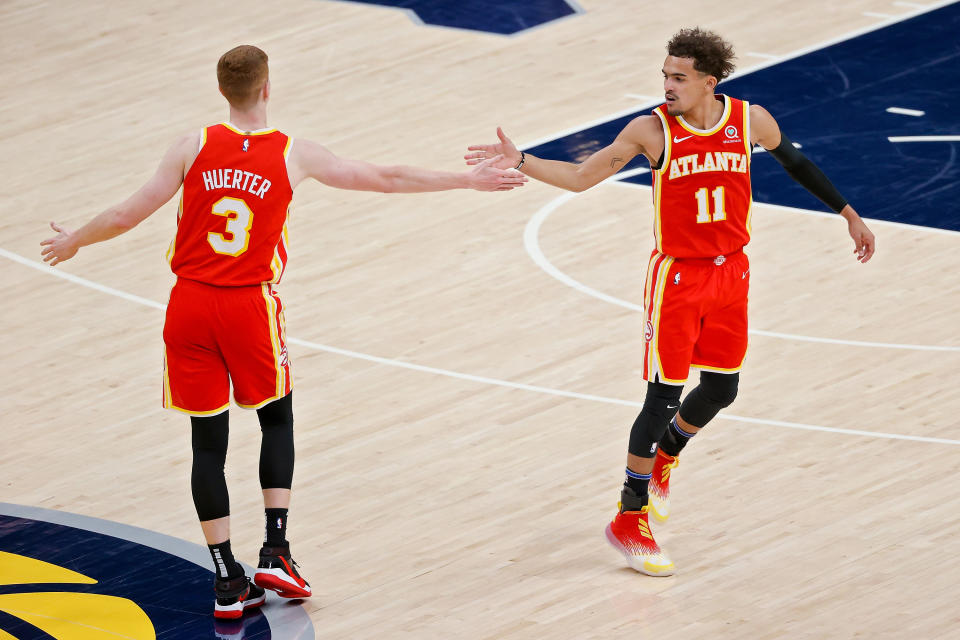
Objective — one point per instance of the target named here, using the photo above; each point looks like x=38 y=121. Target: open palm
x=506 y=148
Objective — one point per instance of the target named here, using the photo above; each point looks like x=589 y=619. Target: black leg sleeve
x=276 y=448
x=659 y=407
x=209 y=486
x=715 y=392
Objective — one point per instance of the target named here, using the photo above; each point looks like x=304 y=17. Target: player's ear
x=266 y=90
x=711 y=82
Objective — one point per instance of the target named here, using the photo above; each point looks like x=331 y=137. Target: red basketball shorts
x=215 y=336
x=695 y=312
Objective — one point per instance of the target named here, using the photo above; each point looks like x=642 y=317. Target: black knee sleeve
x=715 y=392
x=209 y=438
x=276 y=448
x=659 y=407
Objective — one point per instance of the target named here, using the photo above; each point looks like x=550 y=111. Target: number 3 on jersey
x=703 y=206
x=239 y=220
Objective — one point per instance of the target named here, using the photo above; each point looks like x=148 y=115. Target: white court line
x=924 y=138
x=906 y=112
x=911 y=5
x=531 y=242
x=884 y=16
x=768 y=56
x=810 y=212
x=53 y=271
x=763 y=65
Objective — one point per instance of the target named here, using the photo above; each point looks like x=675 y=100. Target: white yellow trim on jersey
x=704 y=367
x=168 y=396
x=203 y=140
x=655 y=302
x=258 y=132
x=657 y=180
x=286 y=149
x=259 y=405
x=275 y=338
x=720 y=124
x=749 y=145
x=277 y=264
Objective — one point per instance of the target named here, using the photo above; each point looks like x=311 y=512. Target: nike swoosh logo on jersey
x=676 y=139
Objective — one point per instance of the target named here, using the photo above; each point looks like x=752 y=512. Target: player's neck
x=251 y=120
x=706 y=114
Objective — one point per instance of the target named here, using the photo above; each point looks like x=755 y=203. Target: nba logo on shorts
x=648 y=332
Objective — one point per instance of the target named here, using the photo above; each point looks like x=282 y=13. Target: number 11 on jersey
x=703 y=206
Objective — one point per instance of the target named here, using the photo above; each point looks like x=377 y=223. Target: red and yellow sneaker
x=659 y=487
x=630 y=534
x=235 y=596
x=278 y=572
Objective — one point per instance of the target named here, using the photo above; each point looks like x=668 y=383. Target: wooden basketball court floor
x=450 y=480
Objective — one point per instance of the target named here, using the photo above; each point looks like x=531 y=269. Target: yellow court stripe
x=17 y=569
x=80 y=616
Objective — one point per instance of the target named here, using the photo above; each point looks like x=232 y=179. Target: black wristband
x=808 y=175
x=523 y=158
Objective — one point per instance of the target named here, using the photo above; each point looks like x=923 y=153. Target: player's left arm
x=765 y=131
x=124 y=216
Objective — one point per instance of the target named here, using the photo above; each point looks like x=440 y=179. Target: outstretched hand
x=60 y=247
x=509 y=155
x=485 y=176
x=865 y=242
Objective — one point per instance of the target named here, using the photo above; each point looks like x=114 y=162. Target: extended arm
x=642 y=135
x=766 y=132
x=129 y=213
x=311 y=160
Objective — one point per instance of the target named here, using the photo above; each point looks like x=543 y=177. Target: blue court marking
x=505 y=17
x=164 y=576
x=834 y=102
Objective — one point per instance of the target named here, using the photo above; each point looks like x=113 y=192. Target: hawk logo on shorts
x=246 y=144
x=648 y=333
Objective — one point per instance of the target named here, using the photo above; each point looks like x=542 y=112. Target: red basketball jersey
x=701 y=192
x=232 y=223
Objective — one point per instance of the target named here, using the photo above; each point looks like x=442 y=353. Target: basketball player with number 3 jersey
x=225 y=322
x=698 y=144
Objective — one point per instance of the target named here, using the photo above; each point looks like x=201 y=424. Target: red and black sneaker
x=278 y=572
x=236 y=595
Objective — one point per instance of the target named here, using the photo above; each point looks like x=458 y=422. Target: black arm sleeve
x=808 y=175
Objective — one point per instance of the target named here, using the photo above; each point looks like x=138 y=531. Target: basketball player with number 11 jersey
x=698 y=143
x=698 y=275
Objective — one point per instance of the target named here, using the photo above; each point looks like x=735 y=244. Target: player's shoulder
x=644 y=128
x=757 y=112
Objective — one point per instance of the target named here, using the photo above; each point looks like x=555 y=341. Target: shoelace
x=665 y=473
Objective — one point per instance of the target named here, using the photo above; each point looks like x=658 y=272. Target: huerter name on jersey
x=708 y=161
x=235 y=179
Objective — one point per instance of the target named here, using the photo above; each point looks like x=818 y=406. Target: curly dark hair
x=711 y=54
